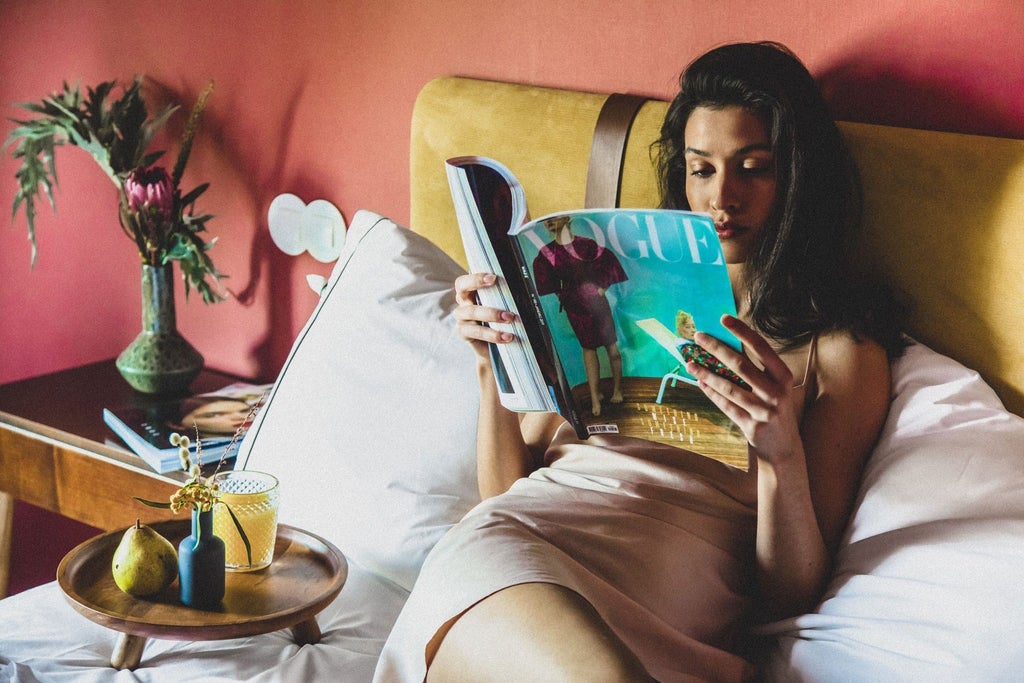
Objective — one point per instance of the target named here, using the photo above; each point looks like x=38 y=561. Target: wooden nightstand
x=57 y=453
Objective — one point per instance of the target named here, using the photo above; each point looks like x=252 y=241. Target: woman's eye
x=757 y=168
x=702 y=172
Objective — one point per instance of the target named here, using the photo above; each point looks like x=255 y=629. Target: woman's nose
x=725 y=196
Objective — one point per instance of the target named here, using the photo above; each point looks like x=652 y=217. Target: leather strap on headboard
x=604 y=174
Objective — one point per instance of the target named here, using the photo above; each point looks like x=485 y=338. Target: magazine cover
x=215 y=416
x=622 y=292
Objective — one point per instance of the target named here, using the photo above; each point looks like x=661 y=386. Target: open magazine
x=594 y=290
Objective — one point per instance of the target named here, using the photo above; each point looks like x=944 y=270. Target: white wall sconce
x=317 y=227
x=296 y=227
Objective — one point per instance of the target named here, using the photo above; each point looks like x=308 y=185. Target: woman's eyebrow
x=755 y=147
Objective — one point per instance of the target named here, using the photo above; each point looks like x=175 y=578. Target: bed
x=928 y=582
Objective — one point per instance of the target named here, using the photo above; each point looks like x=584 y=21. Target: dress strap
x=810 y=380
x=811 y=366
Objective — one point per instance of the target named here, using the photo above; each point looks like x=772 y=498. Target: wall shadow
x=917 y=77
x=936 y=204
x=258 y=166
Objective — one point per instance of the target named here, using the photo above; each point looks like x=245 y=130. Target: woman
x=618 y=559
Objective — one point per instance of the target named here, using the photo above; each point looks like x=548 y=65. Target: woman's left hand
x=767 y=411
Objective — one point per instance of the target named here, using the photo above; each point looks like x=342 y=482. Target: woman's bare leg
x=592 y=366
x=532 y=632
x=615 y=362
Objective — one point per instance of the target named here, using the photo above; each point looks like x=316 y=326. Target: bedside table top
x=55 y=446
x=72 y=401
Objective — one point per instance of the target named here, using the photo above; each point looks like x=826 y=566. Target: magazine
x=595 y=289
x=215 y=415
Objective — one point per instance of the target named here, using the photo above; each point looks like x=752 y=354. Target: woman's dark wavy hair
x=799 y=283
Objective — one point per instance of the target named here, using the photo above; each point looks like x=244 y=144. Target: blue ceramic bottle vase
x=201 y=564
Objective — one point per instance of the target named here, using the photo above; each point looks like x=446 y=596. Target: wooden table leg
x=307 y=632
x=128 y=651
x=6 y=528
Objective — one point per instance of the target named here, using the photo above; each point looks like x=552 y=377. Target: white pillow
x=929 y=583
x=371 y=424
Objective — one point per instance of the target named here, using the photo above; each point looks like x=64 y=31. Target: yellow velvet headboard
x=944 y=213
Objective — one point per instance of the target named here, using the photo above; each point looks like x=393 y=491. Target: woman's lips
x=728 y=231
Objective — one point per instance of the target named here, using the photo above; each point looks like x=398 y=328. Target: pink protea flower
x=150 y=191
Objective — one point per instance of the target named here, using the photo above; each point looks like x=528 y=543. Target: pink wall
x=315 y=98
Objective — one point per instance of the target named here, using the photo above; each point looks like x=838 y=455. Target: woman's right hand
x=472 y=319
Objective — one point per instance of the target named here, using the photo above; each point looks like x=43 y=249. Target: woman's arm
x=509 y=445
x=808 y=469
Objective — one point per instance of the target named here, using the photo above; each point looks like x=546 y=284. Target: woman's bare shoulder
x=844 y=357
x=843 y=422
x=853 y=373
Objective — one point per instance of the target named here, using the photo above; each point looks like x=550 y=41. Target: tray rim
x=191 y=629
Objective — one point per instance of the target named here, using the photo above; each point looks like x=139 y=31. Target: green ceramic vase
x=159 y=361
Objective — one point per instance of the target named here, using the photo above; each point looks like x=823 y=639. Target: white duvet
x=43 y=639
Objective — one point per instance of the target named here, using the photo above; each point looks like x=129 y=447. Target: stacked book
x=212 y=419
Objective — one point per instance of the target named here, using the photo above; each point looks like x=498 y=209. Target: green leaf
x=191 y=197
x=150 y=159
x=152 y=503
x=241 y=533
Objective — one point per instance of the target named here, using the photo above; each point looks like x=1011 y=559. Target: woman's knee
x=533 y=631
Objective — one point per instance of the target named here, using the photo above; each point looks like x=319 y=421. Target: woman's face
x=559 y=228
x=218 y=417
x=685 y=327
x=730 y=174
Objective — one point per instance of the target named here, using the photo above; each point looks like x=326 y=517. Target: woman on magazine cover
x=580 y=271
x=211 y=415
x=618 y=559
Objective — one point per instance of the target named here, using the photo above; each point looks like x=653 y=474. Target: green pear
x=144 y=562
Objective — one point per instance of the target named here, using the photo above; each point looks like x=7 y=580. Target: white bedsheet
x=43 y=639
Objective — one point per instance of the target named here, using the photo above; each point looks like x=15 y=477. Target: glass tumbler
x=254 y=497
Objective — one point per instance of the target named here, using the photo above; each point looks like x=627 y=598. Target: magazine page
x=489 y=202
x=623 y=292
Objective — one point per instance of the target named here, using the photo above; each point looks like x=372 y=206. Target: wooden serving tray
x=307 y=573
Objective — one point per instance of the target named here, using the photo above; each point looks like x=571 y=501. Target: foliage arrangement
x=117 y=132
